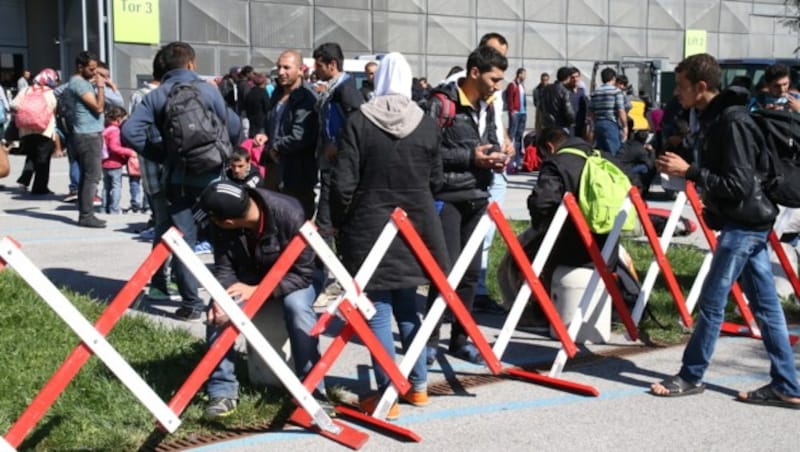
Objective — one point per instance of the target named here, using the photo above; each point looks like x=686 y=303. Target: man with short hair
x=778 y=95
x=608 y=113
x=291 y=134
x=470 y=153
x=87 y=140
x=734 y=203
x=144 y=131
x=251 y=229
x=517 y=115
x=340 y=100
x=555 y=103
x=368 y=85
x=544 y=80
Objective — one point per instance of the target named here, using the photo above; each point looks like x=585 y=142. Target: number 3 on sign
x=133 y=6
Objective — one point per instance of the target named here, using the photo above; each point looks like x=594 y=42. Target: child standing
x=117 y=156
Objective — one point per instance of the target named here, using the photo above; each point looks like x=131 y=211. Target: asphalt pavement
x=471 y=411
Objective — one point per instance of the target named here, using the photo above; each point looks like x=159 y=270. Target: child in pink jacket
x=115 y=156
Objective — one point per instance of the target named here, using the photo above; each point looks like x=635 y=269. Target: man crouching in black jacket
x=252 y=227
x=730 y=178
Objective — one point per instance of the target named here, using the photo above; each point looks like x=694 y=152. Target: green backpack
x=603 y=188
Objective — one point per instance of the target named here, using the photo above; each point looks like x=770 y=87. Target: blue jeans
x=742 y=254
x=180 y=200
x=607 y=136
x=138 y=201
x=497 y=193
x=112 y=189
x=300 y=317
x=408 y=313
x=516 y=131
x=162 y=223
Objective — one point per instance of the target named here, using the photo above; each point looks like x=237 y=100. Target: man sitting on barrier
x=735 y=205
x=251 y=229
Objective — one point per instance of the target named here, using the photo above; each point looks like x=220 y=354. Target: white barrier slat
x=88 y=335
x=5 y=447
x=324 y=252
x=370 y=263
x=697 y=285
x=434 y=314
x=653 y=270
x=589 y=301
x=525 y=291
x=249 y=331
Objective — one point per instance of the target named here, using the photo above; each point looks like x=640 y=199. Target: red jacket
x=512 y=97
x=117 y=153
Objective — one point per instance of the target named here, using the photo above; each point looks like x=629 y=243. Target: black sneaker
x=92 y=222
x=219 y=407
x=468 y=352
x=484 y=303
x=188 y=314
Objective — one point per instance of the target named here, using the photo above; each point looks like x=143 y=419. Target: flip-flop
x=679 y=387
x=767 y=396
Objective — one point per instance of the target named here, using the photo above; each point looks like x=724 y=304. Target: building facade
x=433 y=34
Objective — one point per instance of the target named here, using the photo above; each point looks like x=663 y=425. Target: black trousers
x=38 y=150
x=459 y=219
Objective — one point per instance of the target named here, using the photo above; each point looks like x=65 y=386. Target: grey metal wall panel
x=398 y=32
x=545 y=41
x=451 y=35
x=349 y=27
x=667 y=14
x=214 y=21
x=357 y=4
x=500 y=9
x=169 y=20
x=281 y=26
x=587 y=12
x=627 y=42
x=703 y=15
x=665 y=44
x=546 y=11
x=733 y=45
x=586 y=42
x=452 y=7
x=628 y=13
x=406 y=6
x=735 y=17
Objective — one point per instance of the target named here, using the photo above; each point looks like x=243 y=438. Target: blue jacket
x=141 y=130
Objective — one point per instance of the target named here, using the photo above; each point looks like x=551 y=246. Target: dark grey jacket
x=235 y=260
x=462 y=179
x=376 y=172
x=296 y=139
x=556 y=107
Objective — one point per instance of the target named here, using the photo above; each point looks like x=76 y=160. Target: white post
x=84 y=26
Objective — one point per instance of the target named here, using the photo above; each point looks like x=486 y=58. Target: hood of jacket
x=392 y=109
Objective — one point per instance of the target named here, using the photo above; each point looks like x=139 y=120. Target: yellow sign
x=695 y=42
x=137 y=21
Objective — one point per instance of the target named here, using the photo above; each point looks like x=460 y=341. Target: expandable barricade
x=93 y=341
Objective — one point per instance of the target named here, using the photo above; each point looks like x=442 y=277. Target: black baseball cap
x=224 y=200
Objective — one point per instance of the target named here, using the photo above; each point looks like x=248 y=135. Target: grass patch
x=96 y=411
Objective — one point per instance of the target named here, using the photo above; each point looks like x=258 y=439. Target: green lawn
x=96 y=412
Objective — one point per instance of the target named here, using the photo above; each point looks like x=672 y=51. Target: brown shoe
x=416 y=398
x=369 y=403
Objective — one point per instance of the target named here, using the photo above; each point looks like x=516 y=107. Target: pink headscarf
x=46 y=77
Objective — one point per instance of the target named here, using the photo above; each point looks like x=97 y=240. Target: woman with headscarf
x=39 y=145
x=389 y=158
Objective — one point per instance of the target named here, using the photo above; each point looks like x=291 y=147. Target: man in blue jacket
x=143 y=131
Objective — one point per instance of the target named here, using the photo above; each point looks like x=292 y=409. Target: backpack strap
x=447 y=114
x=577 y=152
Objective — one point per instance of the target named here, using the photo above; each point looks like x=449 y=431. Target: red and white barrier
x=92 y=337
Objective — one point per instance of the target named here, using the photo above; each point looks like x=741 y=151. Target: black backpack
x=65 y=112
x=781 y=131
x=195 y=138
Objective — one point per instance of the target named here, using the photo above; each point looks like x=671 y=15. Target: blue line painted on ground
x=562 y=400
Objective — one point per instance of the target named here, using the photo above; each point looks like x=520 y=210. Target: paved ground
x=506 y=415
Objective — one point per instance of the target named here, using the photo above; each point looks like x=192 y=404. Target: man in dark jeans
x=470 y=153
x=182 y=188
x=87 y=139
x=730 y=160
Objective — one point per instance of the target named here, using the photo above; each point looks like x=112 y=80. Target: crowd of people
x=235 y=162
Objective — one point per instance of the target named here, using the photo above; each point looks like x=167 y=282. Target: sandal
x=766 y=396
x=679 y=387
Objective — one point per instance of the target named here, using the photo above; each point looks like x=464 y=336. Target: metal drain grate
x=445 y=387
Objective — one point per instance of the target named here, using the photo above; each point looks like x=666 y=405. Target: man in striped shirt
x=608 y=113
